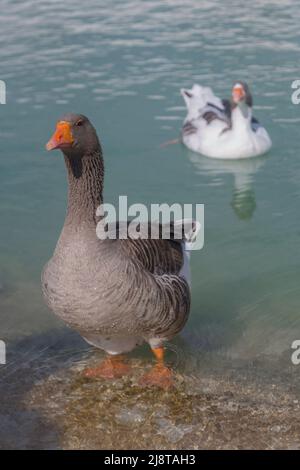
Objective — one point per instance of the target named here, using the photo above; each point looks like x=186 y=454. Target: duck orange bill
x=62 y=136
x=238 y=92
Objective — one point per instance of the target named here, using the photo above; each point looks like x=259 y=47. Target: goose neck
x=241 y=117
x=85 y=188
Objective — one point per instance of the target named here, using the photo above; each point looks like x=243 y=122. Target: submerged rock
x=171 y=431
x=135 y=415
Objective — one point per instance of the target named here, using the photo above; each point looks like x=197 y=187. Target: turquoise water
x=122 y=63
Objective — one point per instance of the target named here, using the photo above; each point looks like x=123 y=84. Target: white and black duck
x=224 y=129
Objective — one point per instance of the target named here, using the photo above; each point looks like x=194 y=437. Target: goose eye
x=79 y=123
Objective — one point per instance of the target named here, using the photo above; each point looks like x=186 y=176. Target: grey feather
x=118 y=288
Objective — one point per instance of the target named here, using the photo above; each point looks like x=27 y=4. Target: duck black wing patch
x=255 y=124
x=213 y=112
x=189 y=128
x=227 y=108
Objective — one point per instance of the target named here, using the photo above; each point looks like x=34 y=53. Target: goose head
x=241 y=95
x=241 y=99
x=74 y=135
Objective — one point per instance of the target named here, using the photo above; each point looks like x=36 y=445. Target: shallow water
x=122 y=63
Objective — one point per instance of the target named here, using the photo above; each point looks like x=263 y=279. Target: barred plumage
x=116 y=293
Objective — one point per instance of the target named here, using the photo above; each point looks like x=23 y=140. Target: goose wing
x=203 y=108
x=159 y=255
x=222 y=113
x=159 y=270
x=164 y=301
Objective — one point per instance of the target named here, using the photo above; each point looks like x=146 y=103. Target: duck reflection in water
x=243 y=200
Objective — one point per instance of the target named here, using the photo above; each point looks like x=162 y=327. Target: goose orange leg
x=113 y=367
x=160 y=375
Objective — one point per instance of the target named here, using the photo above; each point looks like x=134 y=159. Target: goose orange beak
x=238 y=93
x=62 y=136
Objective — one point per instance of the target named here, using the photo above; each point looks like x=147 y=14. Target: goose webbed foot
x=113 y=367
x=160 y=375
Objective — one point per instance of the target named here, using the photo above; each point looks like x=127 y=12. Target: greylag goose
x=115 y=293
x=223 y=129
